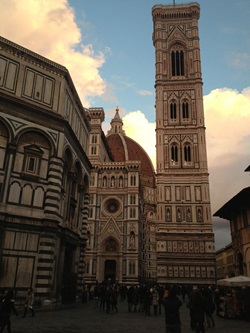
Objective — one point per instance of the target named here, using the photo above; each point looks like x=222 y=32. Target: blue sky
x=123 y=31
x=107 y=47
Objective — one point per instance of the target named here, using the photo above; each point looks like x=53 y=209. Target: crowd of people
x=204 y=302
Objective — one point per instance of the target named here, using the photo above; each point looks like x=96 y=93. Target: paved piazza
x=84 y=318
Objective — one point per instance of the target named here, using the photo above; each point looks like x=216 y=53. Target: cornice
x=32 y=57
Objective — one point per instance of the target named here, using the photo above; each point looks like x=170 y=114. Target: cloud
x=227 y=117
x=145 y=92
x=222 y=233
x=138 y=128
x=240 y=60
x=49 y=28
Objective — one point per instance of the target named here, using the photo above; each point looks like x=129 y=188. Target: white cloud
x=49 y=28
x=240 y=60
x=138 y=128
x=145 y=92
x=227 y=117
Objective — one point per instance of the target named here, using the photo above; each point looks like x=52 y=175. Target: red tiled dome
x=124 y=149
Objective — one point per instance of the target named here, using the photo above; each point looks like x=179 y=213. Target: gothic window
x=93 y=150
x=92 y=180
x=177 y=60
x=94 y=138
x=132 y=199
x=173 y=114
x=187 y=153
x=132 y=213
x=133 y=180
x=174 y=153
x=185 y=110
x=132 y=267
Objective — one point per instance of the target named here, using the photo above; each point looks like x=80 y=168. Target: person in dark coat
x=130 y=298
x=209 y=305
x=135 y=298
x=148 y=301
x=172 y=306
x=198 y=311
x=7 y=307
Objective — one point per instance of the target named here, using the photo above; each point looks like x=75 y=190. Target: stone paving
x=88 y=319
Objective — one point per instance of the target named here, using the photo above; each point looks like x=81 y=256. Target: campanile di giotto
x=184 y=236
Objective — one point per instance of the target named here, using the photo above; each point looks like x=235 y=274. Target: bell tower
x=185 y=239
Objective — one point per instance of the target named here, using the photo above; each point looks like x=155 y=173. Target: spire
x=116 y=124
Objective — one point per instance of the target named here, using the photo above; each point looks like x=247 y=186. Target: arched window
x=187 y=153
x=132 y=213
x=173 y=114
x=177 y=60
x=132 y=199
x=132 y=267
x=133 y=180
x=94 y=138
x=174 y=153
x=185 y=110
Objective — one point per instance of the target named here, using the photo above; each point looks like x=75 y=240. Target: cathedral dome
x=125 y=149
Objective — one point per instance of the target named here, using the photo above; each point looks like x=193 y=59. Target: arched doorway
x=110 y=270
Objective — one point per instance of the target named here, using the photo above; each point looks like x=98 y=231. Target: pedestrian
x=135 y=298
x=183 y=292
x=207 y=295
x=191 y=307
x=155 y=300
x=108 y=298
x=102 y=298
x=28 y=305
x=130 y=297
x=148 y=301
x=172 y=306
x=7 y=306
x=198 y=309
x=113 y=299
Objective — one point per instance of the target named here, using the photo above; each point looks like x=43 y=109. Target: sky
x=107 y=47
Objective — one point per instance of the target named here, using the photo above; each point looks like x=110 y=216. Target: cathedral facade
x=78 y=206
